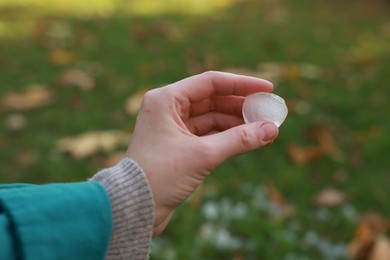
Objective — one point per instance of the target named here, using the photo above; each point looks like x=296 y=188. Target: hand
x=188 y=128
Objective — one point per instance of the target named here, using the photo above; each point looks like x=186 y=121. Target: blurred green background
x=72 y=74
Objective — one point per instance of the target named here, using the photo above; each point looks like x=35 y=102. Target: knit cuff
x=132 y=207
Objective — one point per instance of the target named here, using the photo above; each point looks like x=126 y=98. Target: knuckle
x=153 y=98
x=150 y=95
x=245 y=138
x=210 y=75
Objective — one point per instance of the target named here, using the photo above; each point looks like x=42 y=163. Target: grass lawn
x=328 y=59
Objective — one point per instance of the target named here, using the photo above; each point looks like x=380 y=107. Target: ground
x=77 y=71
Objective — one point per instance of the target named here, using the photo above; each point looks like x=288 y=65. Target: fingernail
x=270 y=131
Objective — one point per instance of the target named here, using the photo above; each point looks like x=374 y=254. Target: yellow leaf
x=90 y=143
x=133 y=103
x=34 y=97
x=77 y=78
x=61 y=56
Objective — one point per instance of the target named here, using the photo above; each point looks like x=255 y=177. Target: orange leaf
x=370 y=242
x=304 y=155
x=361 y=246
x=278 y=199
x=370 y=246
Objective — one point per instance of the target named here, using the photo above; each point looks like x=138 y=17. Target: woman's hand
x=188 y=128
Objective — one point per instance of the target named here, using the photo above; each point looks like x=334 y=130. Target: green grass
x=347 y=42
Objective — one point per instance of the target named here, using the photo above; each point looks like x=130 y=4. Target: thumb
x=241 y=139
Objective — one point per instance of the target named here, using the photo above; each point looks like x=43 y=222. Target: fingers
x=199 y=87
x=211 y=122
x=241 y=139
x=224 y=104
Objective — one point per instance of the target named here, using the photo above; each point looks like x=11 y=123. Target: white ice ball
x=264 y=106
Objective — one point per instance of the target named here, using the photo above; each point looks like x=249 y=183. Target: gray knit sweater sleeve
x=132 y=208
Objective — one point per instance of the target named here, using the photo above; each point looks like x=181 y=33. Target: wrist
x=132 y=209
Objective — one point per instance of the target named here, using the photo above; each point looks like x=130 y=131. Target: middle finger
x=224 y=104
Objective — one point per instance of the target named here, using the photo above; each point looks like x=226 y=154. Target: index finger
x=215 y=83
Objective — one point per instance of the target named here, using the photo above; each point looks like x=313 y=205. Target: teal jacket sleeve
x=54 y=221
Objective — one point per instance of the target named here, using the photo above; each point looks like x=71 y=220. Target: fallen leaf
x=276 y=198
x=292 y=72
x=35 y=96
x=361 y=246
x=370 y=241
x=61 y=56
x=330 y=197
x=90 y=143
x=381 y=249
x=304 y=155
x=79 y=78
x=133 y=103
x=16 y=122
